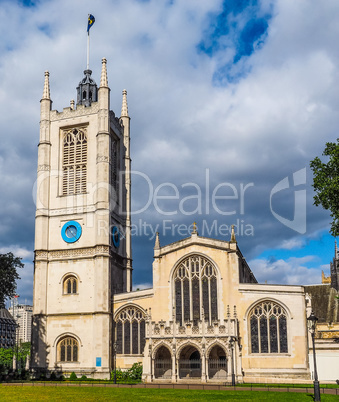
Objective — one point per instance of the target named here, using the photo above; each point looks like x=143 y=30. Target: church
x=206 y=319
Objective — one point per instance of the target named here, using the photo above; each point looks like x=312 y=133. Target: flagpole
x=88 y=50
x=90 y=22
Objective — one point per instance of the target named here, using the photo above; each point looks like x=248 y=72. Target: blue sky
x=242 y=92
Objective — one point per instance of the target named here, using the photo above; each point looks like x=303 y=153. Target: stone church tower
x=82 y=229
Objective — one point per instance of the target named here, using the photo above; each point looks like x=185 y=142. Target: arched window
x=268 y=328
x=70 y=285
x=68 y=350
x=74 y=164
x=195 y=286
x=130 y=331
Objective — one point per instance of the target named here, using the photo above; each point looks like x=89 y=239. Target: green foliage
x=28 y=393
x=8 y=274
x=6 y=357
x=131 y=375
x=326 y=183
x=24 y=351
x=83 y=378
x=73 y=376
x=135 y=372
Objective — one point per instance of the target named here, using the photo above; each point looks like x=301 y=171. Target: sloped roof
x=325 y=304
x=4 y=313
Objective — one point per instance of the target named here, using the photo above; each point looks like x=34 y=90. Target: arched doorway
x=163 y=363
x=217 y=363
x=189 y=363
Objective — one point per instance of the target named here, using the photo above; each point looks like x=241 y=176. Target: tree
x=326 y=183
x=6 y=357
x=8 y=276
x=24 y=351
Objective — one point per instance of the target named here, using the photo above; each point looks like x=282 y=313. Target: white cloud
x=289 y=272
x=293 y=243
x=265 y=126
x=26 y=255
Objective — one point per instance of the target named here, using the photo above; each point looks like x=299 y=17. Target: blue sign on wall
x=98 y=362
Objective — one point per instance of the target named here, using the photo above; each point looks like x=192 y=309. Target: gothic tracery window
x=74 y=164
x=70 y=285
x=195 y=290
x=130 y=331
x=268 y=328
x=68 y=350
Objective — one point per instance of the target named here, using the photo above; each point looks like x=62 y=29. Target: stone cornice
x=86 y=252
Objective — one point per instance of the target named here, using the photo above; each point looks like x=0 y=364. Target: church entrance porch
x=217 y=364
x=189 y=363
x=163 y=364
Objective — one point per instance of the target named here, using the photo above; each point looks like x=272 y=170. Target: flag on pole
x=91 y=21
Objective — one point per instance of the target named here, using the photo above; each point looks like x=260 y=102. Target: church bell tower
x=82 y=229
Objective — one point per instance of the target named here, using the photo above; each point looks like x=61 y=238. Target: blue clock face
x=115 y=236
x=71 y=231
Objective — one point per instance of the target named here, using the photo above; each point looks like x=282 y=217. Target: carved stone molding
x=41 y=255
x=44 y=168
x=75 y=210
x=73 y=253
x=103 y=158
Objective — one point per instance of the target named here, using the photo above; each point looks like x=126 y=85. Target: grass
x=51 y=393
x=274 y=385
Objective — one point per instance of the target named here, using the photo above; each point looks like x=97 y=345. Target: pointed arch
x=159 y=346
x=130 y=330
x=195 y=285
x=67 y=348
x=268 y=327
x=188 y=343
x=217 y=342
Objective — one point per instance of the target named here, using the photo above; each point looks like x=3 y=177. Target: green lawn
x=29 y=393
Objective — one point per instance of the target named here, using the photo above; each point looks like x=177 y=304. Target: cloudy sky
x=229 y=102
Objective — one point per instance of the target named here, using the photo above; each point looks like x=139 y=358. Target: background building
x=22 y=314
x=7 y=329
x=324 y=301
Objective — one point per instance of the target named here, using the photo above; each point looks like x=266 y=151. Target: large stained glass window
x=68 y=350
x=130 y=331
x=268 y=328
x=195 y=290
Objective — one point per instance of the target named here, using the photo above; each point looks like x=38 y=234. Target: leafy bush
x=83 y=378
x=73 y=376
x=135 y=372
x=120 y=375
x=132 y=374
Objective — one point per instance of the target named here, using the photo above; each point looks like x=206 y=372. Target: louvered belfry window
x=74 y=162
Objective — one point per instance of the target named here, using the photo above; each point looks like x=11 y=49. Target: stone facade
x=203 y=348
x=206 y=318
x=83 y=209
